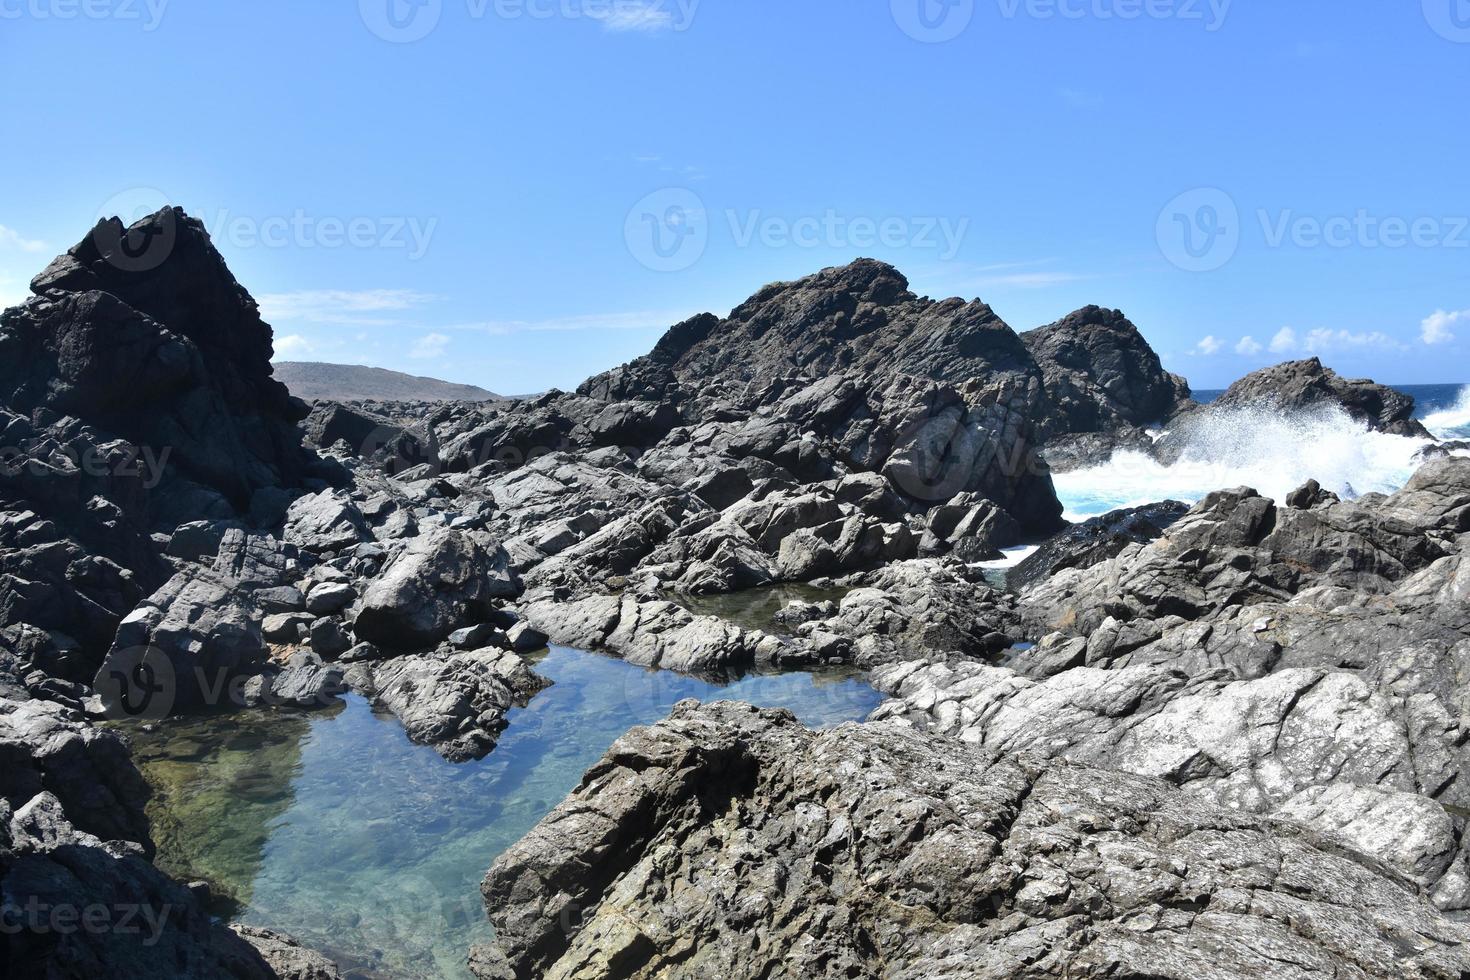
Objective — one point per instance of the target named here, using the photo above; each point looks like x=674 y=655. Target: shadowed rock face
x=145 y=333
x=847 y=371
x=1308 y=384
x=732 y=842
x=857 y=317
x=1101 y=375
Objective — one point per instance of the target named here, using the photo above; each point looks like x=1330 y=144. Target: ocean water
x=333 y=827
x=1272 y=452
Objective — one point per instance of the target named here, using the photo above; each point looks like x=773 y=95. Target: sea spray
x=1452 y=422
x=1269 y=450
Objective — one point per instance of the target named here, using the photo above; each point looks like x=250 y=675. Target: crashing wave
x=1272 y=451
x=1452 y=422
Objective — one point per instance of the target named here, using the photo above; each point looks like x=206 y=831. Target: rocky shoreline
x=1220 y=740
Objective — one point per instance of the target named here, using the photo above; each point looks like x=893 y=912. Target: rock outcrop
x=1101 y=376
x=728 y=841
x=1308 y=384
x=143 y=332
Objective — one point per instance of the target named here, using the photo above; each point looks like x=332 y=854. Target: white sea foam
x=1013 y=557
x=1453 y=422
x=1268 y=450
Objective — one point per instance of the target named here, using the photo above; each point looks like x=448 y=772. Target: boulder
x=442 y=580
x=729 y=841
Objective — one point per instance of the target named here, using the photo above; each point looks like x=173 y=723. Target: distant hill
x=352 y=382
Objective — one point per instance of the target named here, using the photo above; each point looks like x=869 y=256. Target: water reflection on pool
x=335 y=828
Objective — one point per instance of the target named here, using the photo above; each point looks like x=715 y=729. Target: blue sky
x=519 y=193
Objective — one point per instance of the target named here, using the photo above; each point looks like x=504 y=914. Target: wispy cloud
x=1324 y=341
x=358 y=308
x=633 y=320
x=10 y=238
x=1284 y=342
x=1209 y=346
x=293 y=345
x=1079 y=99
x=1436 y=327
x=647 y=16
x=429 y=346
x=1013 y=275
x=1248 y=347
x=13 y=291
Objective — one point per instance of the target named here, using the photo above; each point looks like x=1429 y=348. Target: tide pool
x=334 y=828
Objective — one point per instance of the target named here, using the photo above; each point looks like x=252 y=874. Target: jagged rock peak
x=860 y=316
x=144 y=333
x=1309 y=383
x=1101 y=373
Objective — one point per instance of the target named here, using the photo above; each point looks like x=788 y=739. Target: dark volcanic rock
x=144 y=332
x=847 y=371
x=1101 y=375
x=81 y=900
x=1096 y=540
x=454 y=702
x=1307 y=384
x=443 y=580
x=731 y=842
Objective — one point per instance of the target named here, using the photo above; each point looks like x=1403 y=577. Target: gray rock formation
x=454 y=702
x=441 y=581
x=658 y=633
x=1101 y=376
x=1308 y=384
x=728 y=841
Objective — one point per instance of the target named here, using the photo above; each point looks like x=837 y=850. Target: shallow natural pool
x=335 y=828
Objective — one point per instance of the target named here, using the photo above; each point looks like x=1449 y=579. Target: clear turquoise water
x=335 y=828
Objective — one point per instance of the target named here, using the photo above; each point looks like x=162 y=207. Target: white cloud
x=1079 y=98
x=638 y=15
x=292 y=345
x=10 y=238
x=13 y=292
x=360 y=307
x=1027 y=280
x=633 y=320
x=1321 y=341
x=1248 y=347
x=1324 y=341
x=1284 y=342
x=1436 y=327
x=1210 y=345
x=429 y=346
